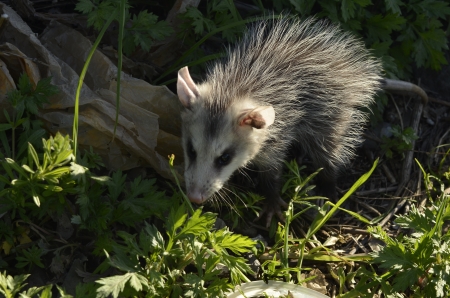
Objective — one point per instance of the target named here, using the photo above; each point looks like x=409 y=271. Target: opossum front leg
x=269 y=186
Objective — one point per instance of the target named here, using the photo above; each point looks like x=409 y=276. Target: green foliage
x=39 y=178
x=418 y=262
x=27 y=99
x=218 y=14
x=401 y=141
x=10 y=287
x=25 y=102
x=285 y=244
x=97 y=11
x=86 y=290
x=403 y=34
x=29 y=257
x=106 y=201
x=185 y=264
x=90 y=160
x=246 y=203
x=141 y=30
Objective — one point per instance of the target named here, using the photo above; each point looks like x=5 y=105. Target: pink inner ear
x=258 y=118
x=246 y=121
x=186 y=88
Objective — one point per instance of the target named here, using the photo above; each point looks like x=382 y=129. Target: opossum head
x=219 y=136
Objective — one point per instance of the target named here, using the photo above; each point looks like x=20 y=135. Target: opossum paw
x=271 y=208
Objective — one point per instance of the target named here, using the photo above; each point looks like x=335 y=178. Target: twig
x=376 y=191
x=388 y=173
x=353 y=230
x=409 y=88
x=406 y=174
x=440 y=142
x=359 y=244
x=393 y=197
x=402 y=188
x=441 y=102
x=368 y=207
x=398 y=111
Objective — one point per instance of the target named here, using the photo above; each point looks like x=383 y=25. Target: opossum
x=287 y=85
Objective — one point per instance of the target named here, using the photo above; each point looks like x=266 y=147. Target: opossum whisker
x=235 y=195
x=244 y=174
x=226 y=197
x=225 y=200
x=216 y=201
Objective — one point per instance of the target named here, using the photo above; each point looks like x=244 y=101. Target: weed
x=141 y=30
x=218 y=14
x=25 y=102
x=106 y=201
x=285 y=244
x=417 y=262
x=400 y=142
x=11 y=287
x=39 y=179
x=184 y=264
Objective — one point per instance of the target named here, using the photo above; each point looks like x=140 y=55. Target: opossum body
x=287 y=84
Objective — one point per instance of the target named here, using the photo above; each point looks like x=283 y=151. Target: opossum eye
x=224 y=159
x=191 y=151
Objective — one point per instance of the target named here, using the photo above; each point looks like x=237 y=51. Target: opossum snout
x=196 y=197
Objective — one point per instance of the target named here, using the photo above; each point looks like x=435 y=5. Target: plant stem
x=81 y=80
x=119 y=60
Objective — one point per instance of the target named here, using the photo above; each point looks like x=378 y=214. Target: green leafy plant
x=39 y=180
x=11 y=286
x=402 y=33
x=286 y=244
x=30 y=257
x=184 y=264
x=243 y=205
x=142 y=29
x=401 y=141
x=36 y=179
x=91 y=160
x=106 y=201
x=417 y=262
x=25 y=102
x=218 y=14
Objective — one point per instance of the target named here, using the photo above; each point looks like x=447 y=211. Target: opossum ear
x=186 y=88
x=261 y=117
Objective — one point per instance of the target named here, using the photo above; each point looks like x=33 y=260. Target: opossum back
x=316 y=77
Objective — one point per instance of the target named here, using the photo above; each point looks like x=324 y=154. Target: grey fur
x=315 y=76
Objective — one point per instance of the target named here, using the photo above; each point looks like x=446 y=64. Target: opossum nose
x=196 y=197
